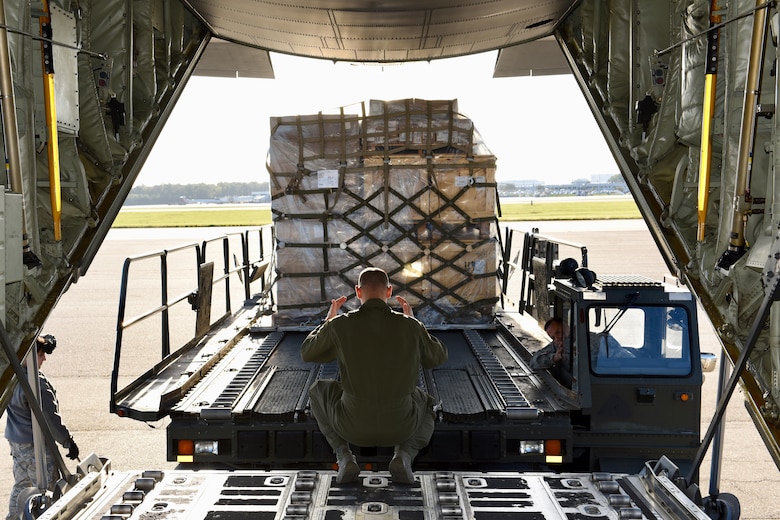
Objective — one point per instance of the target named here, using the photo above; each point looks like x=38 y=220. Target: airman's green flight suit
x=377 y=402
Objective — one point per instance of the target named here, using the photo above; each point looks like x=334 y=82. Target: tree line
x=178 y=193
x=233 y=192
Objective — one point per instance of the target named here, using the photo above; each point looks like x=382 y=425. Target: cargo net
x=409 y=187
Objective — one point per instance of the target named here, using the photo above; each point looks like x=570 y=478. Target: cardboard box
x=450 y=188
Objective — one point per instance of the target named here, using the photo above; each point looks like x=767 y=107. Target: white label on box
x=461 y=181
x=327 y=179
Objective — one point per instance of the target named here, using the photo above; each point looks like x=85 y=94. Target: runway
x=84 y=323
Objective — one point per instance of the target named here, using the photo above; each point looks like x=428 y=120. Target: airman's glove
x=73 y=450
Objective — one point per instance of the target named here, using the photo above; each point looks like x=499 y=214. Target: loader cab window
x=642 y=340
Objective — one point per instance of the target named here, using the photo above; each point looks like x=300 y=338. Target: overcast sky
x=538 y=128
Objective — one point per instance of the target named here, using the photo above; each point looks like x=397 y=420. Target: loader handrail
x=537 y=256
x=249 y=266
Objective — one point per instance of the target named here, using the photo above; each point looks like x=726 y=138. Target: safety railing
x=235 y=262
x=534 y=261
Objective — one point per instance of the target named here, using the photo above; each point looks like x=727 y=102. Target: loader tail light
x=553 y=447
x=553 y=451
x=185 y=447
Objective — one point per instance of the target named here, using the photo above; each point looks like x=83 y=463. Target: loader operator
x=554 y=357
x=552 y=354
x=377 y=402
x=19 y=430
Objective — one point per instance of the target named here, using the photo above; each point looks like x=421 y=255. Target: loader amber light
x=684 y=396
x=553 y=447
x=185 y=447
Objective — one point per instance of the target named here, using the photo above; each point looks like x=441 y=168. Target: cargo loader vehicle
x=239 y=395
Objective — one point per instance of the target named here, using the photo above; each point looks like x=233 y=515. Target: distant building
x=261 y=196
x=598 y=185
x=186 y=200
x=601 y=178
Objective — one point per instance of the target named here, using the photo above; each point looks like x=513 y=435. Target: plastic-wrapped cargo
x=306 y=153
x=418 y=125
x=418 y=202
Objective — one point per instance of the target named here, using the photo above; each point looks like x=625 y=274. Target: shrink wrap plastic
x=408 y=187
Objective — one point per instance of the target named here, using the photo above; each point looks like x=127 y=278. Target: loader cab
x=635 y=368
x=631 y=373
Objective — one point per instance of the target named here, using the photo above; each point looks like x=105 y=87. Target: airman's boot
x=348 y=467
x=401 y=467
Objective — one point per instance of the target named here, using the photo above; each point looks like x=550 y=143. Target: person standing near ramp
x=19 y=430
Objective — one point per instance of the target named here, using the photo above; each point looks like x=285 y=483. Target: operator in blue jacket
x=19 y=430
x=377 y=402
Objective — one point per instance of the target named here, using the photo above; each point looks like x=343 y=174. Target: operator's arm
x=543 y=358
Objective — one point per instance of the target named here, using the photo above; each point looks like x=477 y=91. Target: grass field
x=210 y=216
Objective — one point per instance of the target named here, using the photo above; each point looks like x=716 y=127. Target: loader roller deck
x=251 y=391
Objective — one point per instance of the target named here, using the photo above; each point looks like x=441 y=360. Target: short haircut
x=373 y=278
x=554 y=319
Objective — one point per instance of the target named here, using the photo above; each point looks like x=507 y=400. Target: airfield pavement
x=84 y=323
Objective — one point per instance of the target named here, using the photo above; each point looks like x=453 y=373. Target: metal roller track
x=247 y=374
x=517 y=406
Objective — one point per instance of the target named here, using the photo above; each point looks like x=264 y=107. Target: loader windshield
x=641 y=340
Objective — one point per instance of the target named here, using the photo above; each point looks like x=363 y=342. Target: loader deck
x=251 y=390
